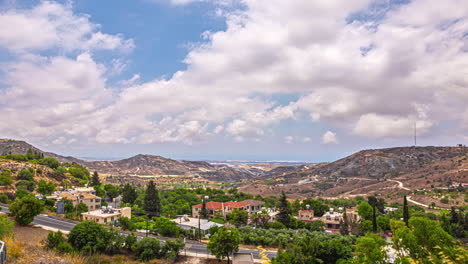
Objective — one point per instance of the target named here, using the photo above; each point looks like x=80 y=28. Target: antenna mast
x=415 y=141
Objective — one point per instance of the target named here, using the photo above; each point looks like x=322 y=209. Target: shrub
x=126 y=224
x=26 y=175
x=3 y=198
x=275 y=225
x=6 y=226
x=64 y=248
x=25 y=209
x=172 y=248
x=54 y=239
x=26 y=185
x=147 y=249
x=49 y=162
x=166 y=227
x=5 y=178
x=89 y=237
x=130 y=240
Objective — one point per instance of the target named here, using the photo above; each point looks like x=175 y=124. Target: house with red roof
x=230 y=206
x=212 y=207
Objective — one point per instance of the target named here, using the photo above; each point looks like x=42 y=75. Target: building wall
x=92 y=204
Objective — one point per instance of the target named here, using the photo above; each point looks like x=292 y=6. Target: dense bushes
x=25 y=209
x=6 y=226
x=315 y=247
x=150 y=248
x=88 y=237
x=272 y=237
x=5 y=178
x=91 y=237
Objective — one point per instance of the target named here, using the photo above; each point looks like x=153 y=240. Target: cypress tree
x=152 y=204
x=405 y=211
x=204 y=211
x=284 y=211
x=374 y=219
x=129 y=194
x=344 y=225
x=95 y=180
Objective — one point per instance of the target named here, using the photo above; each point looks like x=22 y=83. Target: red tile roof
x=236 y=204
x=211 y=205
x=306 y=211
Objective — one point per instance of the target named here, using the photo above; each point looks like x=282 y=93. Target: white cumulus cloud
x=329 y=138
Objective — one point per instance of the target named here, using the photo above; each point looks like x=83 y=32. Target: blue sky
x=233 y=79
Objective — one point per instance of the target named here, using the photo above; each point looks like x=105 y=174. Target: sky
x=233 y=79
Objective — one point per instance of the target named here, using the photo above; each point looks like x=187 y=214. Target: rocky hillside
x=150 y=165
x=377 y=163
x=9 y=146
x=370 y=172
x=39 y=172
x=142 y=165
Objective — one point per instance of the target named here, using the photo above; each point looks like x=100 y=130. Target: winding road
x=401 y=186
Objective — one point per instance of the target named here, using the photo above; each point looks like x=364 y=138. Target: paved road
x=66 y=225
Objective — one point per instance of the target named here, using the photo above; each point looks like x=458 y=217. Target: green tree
x=54 y=239
x=424 y=240
x=317 y=226
x=152 y=202
x=26 y=175
x=25 y=185
x=318 y=207
x=111 y=191
x=284 y=211
x=147 y=249
x=78 y=171
x=172 y=248
x=238 y=217
x=365 y=210
x=224 y=243
x=374 y=219
x=4 y=198
x=166 y=227
x=130 y=240
x=204 y=211
x=49 y=162
x=81 y=208
x=369 y=249
x=406 y=215
x=129 y=194
x=5 y=178
x=25 y=209
x=45 y=188
x=88 y=237
x=127 y=224
x=95 y=179
x=6 y=226
x=344 y=224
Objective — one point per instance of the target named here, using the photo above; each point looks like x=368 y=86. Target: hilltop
x=10 y=146
x=150 y=165
x=368 y=171
x=141 y=165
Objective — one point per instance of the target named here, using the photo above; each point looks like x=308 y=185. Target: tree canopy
x=224 y=242
x=25 y=209
x=152 y=201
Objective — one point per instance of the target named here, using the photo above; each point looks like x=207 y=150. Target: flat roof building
x=107 y=215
